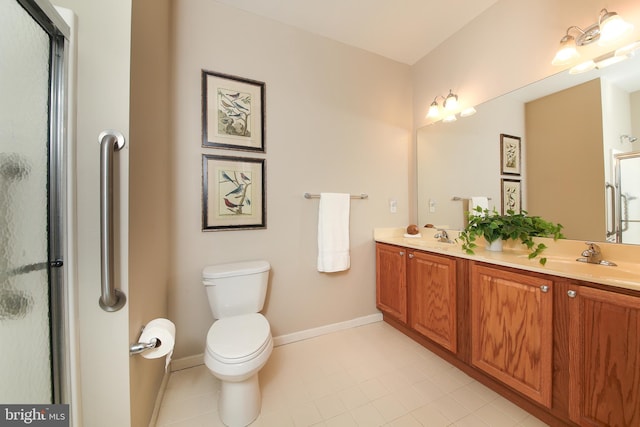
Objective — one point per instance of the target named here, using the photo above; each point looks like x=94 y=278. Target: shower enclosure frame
x=621 y=219
x=59 y=34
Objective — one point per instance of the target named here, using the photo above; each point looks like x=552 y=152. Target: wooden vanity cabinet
x=512 y=329
x=391 y=281
x=566 y=350
x=432 y=297
x=419 y=289
x=604 y=357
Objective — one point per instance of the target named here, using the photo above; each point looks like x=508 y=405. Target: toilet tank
x=236 y=288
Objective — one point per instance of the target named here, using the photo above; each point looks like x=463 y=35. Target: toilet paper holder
x=140 y=347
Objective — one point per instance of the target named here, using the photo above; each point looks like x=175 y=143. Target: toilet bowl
x=239 y=342
x=237 y=348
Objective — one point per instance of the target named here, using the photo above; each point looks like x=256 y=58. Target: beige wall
x=149 y=199
x=567 y=125
x=338 y=119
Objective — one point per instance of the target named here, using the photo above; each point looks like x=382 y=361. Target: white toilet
x=239 y=342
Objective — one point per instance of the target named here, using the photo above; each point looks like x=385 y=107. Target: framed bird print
x=233 y=193
x=510 y=155
x=232 y=112
x=511 y=195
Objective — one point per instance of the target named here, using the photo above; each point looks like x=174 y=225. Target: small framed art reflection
x=511 y=195
x=510 y=156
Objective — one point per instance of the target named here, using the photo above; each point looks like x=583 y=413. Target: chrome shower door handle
x=111 y=299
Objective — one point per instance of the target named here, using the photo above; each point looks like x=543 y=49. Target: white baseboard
x=159 y=396
x=327 y=329
x=187 y=362
x=198 y=359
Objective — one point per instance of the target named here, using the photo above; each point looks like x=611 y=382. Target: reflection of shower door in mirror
x=627 y=172
x=31 y=285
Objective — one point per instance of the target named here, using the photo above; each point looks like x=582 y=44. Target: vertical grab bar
x=613 y=233
x=111 y=298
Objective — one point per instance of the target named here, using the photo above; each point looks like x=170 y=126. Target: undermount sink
x=433 y=244
x=592 y=269
x=601 y=262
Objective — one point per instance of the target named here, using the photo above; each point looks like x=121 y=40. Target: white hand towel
x=333 y=232
x=476 y=201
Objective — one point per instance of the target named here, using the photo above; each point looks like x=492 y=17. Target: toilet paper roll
x=165 y=332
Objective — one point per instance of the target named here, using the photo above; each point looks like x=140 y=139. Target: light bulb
x=567 y=52
x=434 y=110
x=451 y=101
x=612 y=28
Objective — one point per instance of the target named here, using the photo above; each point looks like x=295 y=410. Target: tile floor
x=371 y=375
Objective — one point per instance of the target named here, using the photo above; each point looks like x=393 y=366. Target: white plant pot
x=495 y=246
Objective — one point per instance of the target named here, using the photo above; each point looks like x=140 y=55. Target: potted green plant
x=517 y=226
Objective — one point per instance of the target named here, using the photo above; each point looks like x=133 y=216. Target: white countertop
x=561 y=256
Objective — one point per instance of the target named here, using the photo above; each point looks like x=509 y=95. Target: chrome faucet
x=593 y=255
x=442 y=236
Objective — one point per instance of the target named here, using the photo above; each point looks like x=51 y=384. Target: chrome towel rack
x=353 y=196
x=457 y=199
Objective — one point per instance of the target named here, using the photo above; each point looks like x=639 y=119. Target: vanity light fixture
x=449 y=103
x=450 y=107
x=609 y=29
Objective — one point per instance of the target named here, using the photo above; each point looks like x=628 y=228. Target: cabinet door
x=432 y=298
x=391 y=282
x=511 y=329
x=604 y=358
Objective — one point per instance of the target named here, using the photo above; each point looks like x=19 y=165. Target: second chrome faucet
x=593 y=255
x=442 y=236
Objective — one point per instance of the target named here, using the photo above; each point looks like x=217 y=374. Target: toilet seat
x=237 y=339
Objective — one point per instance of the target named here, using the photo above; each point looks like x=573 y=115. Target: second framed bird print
x=233 y=193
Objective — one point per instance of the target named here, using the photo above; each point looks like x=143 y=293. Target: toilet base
x=239 y=402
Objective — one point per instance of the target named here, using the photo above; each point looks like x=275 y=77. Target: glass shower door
x=27 y=179
x=628 y=187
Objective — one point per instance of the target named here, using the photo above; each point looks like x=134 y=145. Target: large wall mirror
x=578 y=141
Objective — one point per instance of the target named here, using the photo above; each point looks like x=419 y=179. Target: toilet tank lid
x=235 y=269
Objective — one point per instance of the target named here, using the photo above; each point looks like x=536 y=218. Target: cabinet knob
x=410 y=255
x=544 y=288
x=572 y=294
x=401 y=253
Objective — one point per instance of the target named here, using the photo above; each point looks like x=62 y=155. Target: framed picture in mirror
x=510 y=157
x=511 y=195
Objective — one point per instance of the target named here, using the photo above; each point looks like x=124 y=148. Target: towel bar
x=456 y=198
x=317 y=196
